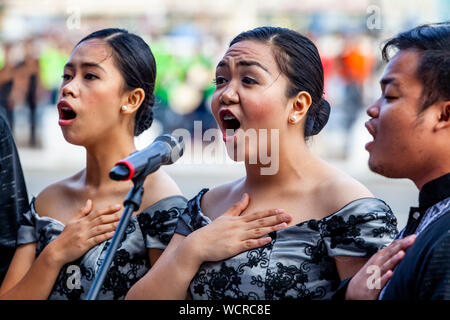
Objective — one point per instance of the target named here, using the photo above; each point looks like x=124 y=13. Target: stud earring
x=293 y=118
x=124 y=108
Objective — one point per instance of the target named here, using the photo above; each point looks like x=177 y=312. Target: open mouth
x=65 y=111
x=229 y=121
x=372 y=130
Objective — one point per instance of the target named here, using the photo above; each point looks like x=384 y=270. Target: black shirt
x=13 y=195
x=424 y=272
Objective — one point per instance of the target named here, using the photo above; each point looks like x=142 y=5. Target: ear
x=444 y=116
x=134 y=100
x=299 y=107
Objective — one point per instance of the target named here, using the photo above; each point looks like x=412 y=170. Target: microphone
x=166 y=149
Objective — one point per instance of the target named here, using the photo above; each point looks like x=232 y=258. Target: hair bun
x=145 y=119
x=318 y=116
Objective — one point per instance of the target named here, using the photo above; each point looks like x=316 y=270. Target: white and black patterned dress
x=298 y=263
x=152 y=228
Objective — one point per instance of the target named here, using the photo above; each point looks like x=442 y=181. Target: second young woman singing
x=271 y=79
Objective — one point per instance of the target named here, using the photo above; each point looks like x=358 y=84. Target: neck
x=101 y=158
x=429 y=176
x=288 y=166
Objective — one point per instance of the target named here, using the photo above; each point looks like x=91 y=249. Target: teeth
x=228 y=117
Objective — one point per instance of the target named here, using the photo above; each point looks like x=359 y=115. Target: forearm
x=170 y=277
x=37 y=282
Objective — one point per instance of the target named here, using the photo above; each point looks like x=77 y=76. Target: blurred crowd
x=30 y=73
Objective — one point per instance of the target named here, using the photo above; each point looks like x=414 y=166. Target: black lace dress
x=152 y=228
x=298 y=263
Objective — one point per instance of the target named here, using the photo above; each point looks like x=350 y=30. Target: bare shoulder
x=339 y=189
x=160 y=185
x=49 y=200
x=220 y=198
x=220 y=192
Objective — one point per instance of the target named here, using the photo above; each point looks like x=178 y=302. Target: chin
x=72 y=139
x=375 y=166
x=242 y=153
x=385 y=169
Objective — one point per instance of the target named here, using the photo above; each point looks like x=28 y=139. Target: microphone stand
x=132 y=203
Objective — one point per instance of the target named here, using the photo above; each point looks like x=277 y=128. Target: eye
x=390 y=98
x=90 y=76
x=248 y=80
x=219 y=80
x=66 y=77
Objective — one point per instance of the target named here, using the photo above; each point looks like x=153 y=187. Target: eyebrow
x=245 y=63
x=391 y=81
x=85 y=65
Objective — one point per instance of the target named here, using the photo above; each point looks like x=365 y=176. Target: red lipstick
x=66 y=113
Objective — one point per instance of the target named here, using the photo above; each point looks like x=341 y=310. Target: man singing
x=410 y=125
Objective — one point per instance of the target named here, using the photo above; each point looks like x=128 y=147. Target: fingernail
x=279 y=210
x=117 y=206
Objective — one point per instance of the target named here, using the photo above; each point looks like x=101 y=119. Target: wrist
x=189 y=250
x=51 y=255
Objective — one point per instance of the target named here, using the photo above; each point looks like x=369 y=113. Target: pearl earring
x=124 y=108
x=293 y=118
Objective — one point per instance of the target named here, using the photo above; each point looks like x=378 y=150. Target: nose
x=373 y=110
x=229 y=95
x=69 y=88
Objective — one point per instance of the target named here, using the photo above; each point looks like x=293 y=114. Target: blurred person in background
x=31 y=63
x=355 y=64
x=330 y=225
x=26 y=84
x=183 y=86
x=52 y=58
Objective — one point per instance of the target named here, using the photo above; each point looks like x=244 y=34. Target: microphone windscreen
x=119 y=172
